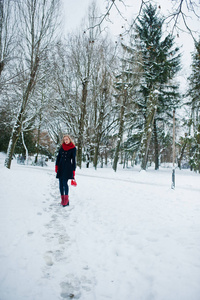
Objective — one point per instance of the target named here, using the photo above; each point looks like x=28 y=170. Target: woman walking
x=65 y=167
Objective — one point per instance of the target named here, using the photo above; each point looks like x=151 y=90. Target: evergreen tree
x=194 y=87
x=194 y=104
x=160 y=63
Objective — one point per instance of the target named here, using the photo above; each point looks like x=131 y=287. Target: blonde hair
x=69 y=137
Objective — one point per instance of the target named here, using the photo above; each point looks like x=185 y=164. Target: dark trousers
x=63 y=185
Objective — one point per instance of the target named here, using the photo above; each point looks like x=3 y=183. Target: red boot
x=66 y=200
x=62 y=199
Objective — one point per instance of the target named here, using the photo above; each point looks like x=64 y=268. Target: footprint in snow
x=29 y=233
x=48 y=259
x=59 y=256
x=63 y=239
x=70 y=289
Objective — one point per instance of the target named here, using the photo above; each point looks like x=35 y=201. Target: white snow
x=126 y=235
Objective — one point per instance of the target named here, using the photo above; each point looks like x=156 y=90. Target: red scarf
x=67 y=147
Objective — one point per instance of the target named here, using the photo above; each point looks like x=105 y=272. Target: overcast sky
x=74 y=11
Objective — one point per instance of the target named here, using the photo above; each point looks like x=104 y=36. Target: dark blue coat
x=66 y=162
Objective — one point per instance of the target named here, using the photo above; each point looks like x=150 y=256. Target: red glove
x=73 y=182
x=56 y=169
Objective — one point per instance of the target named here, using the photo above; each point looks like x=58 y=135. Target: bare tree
x=38 y=25
x=181 y=10
x=81 y=54
x=102 y=95
x=7 y=31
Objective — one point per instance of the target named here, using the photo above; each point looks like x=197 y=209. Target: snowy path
x=118 y=239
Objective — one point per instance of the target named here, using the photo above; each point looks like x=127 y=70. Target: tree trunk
x=87 y=158
x=38 y=139
x=120 y=133
x=198 y=148
x=182 y=153
x=26 y=149
x=156 y=146
x=151 y=112
x=82 y=123
x=96 y=153
x=13 y=140
x=98 y=135
x=106 y=157
x=196 y=153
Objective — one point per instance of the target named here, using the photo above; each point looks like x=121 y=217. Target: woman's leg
x=61 y=186
x=66 y=187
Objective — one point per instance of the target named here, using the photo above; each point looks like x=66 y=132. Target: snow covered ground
x=125 y=236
